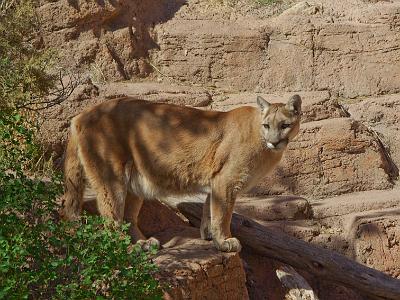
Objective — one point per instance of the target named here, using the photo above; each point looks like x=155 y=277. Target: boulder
x=338 y=220
x=188 y=267
x=194 y=269
x=364 y=226
x=382 y=115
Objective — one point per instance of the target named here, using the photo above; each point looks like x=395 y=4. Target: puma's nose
x=276 y=143
x=272 y=145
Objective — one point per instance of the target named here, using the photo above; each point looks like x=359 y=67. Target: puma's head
x=280 y=122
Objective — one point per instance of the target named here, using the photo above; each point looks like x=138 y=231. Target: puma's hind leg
x=106 y=176
x=133 y=204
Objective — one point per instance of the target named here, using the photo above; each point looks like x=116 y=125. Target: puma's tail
x=74 y=179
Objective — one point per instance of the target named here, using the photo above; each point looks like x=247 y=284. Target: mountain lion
x=129 y=150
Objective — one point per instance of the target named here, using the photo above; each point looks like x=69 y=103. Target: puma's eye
x=284 y=126
x=266 y=126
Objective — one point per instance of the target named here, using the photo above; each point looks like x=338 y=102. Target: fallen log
x=323 y=263
x=297 y=288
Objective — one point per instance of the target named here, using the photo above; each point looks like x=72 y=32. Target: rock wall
x=314 y=48
x=110 y=40
x=310 y=46
x=219 y=54
x=350 y=48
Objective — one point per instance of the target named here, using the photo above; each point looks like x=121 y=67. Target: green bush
x=42 y=257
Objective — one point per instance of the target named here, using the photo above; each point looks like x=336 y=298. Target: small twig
x=158 y=70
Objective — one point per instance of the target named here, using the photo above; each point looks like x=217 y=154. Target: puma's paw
x=146 y=245
x=205 y=233
x=229 y=245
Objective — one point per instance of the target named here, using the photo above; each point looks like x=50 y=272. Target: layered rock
x=311 y=46
x=382 y=115
x=350 y=48
x=329 y=50
x=211 y=53
x=159 y=92
x=364 y=226
x=194 y=269
x=109 y=40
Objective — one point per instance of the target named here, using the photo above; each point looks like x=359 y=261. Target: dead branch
x=63 y=90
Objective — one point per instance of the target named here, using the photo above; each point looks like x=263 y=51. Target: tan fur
x=129 y=150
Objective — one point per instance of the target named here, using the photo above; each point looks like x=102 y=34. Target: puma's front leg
x=205 y=227
x=133 y=205
x=222 y=202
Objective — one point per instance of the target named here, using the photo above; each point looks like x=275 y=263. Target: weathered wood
x=323 y=263
x=297 y=288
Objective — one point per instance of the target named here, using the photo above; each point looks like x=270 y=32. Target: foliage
x=24 y=75
x=42 y=257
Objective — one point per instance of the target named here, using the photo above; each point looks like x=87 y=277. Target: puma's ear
x=263 y=104
x=294 y=104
